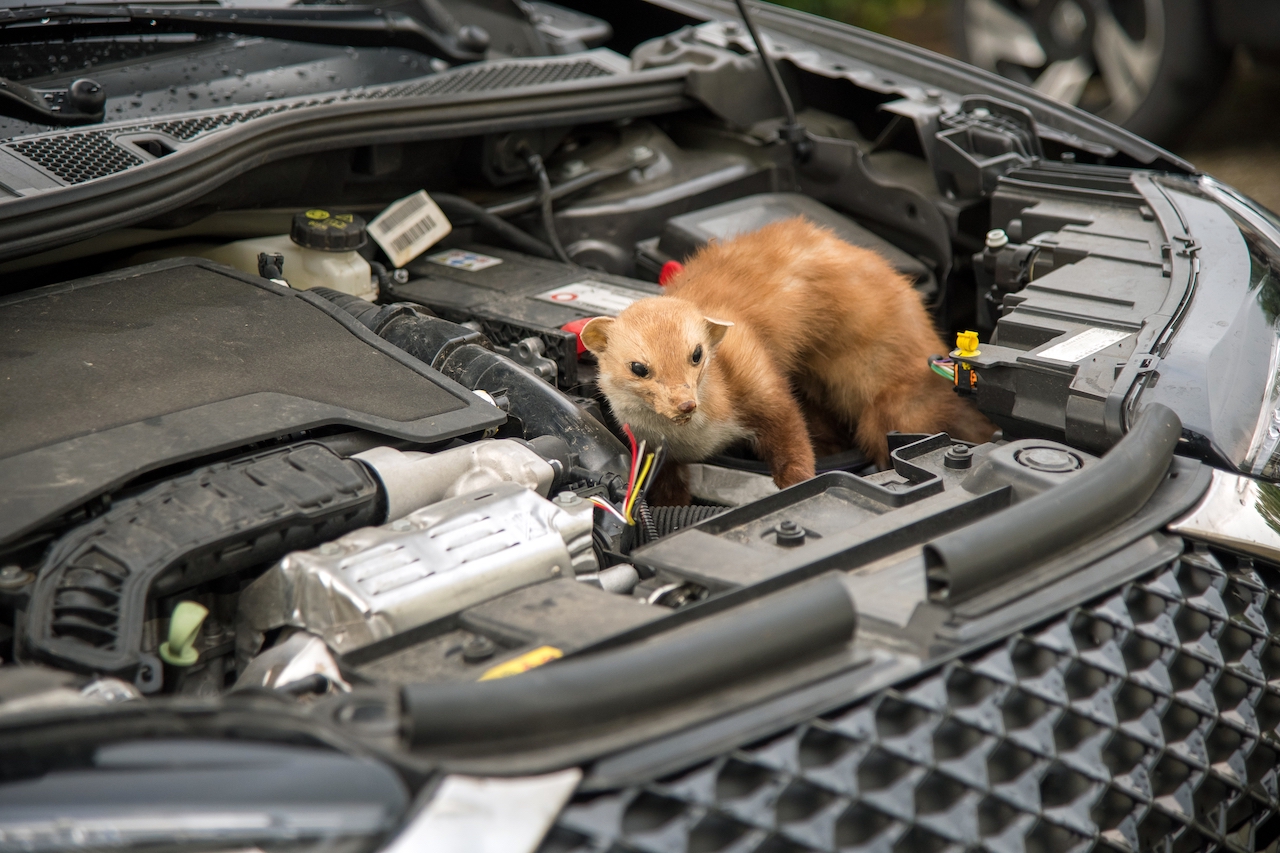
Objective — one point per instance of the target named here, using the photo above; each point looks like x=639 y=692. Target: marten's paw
x=791 y=474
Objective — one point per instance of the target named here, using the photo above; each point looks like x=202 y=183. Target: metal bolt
x=478 y=649
x=13 y=577
x=400 y=276
x=401 y=525
x=641 y=152
x=567 y=499
x=330 y=548
x=573 y=168
x=957 y=456
x=790 y=534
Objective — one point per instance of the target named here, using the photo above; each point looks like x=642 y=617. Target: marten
x=760 y=328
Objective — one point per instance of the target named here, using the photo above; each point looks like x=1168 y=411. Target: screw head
x=478 y=649
x=957 y=456
x=13 y=577
x=789 y=533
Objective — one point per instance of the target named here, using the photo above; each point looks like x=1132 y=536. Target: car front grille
x=1145 y=720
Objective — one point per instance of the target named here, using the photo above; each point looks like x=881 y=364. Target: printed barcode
x=412 y=233
x=408 y=207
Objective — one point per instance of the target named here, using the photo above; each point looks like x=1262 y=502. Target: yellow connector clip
x=966 y=345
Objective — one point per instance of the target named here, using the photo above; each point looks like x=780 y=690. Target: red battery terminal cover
x=575 y=327
x=670 y=270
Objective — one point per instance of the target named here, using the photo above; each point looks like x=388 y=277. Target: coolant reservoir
x=319 y=251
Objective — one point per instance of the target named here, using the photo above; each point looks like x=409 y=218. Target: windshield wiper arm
x=80 y=103
x=355 y=26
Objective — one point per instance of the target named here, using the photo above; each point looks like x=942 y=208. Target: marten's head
x=655 y=353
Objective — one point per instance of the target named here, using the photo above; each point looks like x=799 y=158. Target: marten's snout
x=686 y=407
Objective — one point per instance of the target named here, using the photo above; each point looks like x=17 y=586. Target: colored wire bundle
x=644 y=468
x=943 y=366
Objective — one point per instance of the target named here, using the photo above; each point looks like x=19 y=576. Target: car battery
x=514 y=297
x=684 y=234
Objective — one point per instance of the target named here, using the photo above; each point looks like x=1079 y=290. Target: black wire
x=659 y=457
x=787 y=107
x=544 y=201
x=457 y=208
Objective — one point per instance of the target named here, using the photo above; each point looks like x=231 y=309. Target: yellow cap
x=966 y=345
x=184 y=627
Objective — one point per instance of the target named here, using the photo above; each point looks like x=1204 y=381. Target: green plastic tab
x=184 y=627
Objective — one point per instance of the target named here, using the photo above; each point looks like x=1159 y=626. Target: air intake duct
x=464 y=355
x=88 y=605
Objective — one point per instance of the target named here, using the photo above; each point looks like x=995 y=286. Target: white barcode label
x=1085 y=344
x=409 y=227
x=589 y=296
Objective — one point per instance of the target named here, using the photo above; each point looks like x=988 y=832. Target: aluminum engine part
x=414 y=480
x=298 y=657
x=381 y=581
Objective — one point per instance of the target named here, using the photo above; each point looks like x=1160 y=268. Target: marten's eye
x=639 y=369
x=697 y=354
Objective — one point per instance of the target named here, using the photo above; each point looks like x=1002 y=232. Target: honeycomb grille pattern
x=187 y=129
x=496 y=77
x=1143 y=721
x=77 y=157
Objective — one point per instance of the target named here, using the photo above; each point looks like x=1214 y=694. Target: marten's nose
x=687 y=406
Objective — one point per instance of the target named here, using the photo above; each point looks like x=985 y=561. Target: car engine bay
x=362 y=491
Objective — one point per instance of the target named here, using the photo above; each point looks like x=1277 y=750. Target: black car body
x=290 y=568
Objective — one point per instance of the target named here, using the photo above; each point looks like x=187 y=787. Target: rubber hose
x=458 y=353
x=457 y=207
x=648 y=530
x=669 y=519
x=988 y=552
x=564 y=697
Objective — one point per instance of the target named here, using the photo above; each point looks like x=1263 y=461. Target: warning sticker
x=589 y=296
x=409 y=227
x=461 y=259
x=1083 y=345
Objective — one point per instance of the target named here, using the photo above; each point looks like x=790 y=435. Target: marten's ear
x=595 y=335
x=716 y=329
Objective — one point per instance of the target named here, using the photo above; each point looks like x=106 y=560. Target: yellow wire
x=635 y=492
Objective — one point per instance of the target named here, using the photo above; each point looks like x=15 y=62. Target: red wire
x=631 y=481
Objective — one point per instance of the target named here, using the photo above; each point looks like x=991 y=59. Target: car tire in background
x=1148 y=65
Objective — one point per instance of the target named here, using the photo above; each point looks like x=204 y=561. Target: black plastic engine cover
x=108 y=377
x=88 y=606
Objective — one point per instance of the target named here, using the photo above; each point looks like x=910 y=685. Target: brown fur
x=808 y=311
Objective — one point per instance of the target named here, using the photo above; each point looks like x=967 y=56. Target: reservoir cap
x=328 y=231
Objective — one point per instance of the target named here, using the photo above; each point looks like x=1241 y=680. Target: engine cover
x=108 y=377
